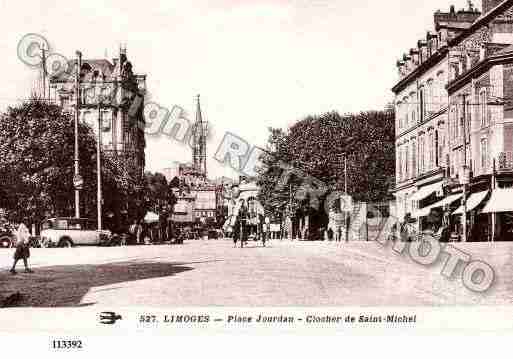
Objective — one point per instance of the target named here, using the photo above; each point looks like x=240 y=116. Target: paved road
x=214 y=273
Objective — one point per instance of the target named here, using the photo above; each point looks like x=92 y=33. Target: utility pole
x=98 y=165
x=77 y=117
x=492 y=189
x=465 y=177
x=346 y=224
x=290 y=212
x=43 y=57
x=345 y=173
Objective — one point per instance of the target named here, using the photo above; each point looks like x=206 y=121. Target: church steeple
x=199 y=151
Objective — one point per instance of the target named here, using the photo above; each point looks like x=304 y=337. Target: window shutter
x=488 y=108
x=488 y=157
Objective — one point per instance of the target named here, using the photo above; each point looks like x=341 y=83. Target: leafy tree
x=317 y=146
x=175 y=182
x=36 y=166
x=156 y=191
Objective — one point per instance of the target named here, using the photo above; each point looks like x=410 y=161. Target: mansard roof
x=500 y=57
x=91 y=68
x=481 y=21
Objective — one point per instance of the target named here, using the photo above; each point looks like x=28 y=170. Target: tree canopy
x=159 y=193
x=36 y=166
x=317 y=145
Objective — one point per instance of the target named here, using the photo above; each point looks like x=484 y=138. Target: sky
x=256 y=64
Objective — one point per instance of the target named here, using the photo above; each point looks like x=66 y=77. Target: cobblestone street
x=214 y=273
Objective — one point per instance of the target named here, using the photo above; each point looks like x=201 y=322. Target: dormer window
x=482 y=53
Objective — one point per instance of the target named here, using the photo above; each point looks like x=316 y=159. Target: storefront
x=478 y=222
x=433 y=216
x=500 y=211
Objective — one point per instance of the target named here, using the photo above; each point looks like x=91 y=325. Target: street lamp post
x=346 y=224
x=98 y=165
x=349 y=142
x=77 y=116
x=465 y=174
x=345 y=173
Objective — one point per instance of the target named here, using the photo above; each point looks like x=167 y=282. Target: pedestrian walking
x=139 y=232
x=135 y=231
x=267 y=233
x=22 y=248
x=330 y=234
x=241 y=230
x=132 y=230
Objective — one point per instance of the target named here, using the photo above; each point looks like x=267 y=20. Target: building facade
x=422 y=112
x=205 y=196
x=111 y=93
x=453 y=121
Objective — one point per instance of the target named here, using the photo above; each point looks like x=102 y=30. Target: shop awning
x=151 y=217
x=473 y=201
x=501 y=200
x=425 y=191
x=180 y=207
x=424 y=212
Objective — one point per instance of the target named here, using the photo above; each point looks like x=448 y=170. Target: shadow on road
x=56 y=286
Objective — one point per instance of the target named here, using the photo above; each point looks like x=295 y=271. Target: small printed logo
x=109 y=317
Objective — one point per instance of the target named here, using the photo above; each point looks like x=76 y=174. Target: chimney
x=490 y=4
x=414 y=53
x=122 y=54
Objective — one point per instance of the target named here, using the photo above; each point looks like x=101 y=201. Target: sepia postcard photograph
x=298 y=166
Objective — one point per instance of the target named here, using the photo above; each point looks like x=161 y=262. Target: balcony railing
x=505 y=162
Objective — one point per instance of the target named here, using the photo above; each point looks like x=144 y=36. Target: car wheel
x=66 y=243
x=5 y=242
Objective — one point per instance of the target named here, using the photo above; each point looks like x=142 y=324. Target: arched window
x=431 y=150
x=429 y=96
x=85 y=67
x=483 y=108
x=399 y=165
x=414 y=158
x=421 y=154
x=407 y=162
x=406 y=106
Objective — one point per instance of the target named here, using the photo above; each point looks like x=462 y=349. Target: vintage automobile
x=69 y=232
x=7 y=239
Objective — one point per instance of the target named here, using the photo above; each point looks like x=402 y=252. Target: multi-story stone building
x=422 y=111
x=481 y=118
x=112 y=93
x=455 y=84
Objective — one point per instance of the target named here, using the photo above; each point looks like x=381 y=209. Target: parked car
x=7 y=237
x=7 y=240
x=68 y=232
x=34 y=241
x=122 y=239
x=213 y=234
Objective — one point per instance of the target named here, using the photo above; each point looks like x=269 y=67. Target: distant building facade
x=205 y=196
x=109 y=91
